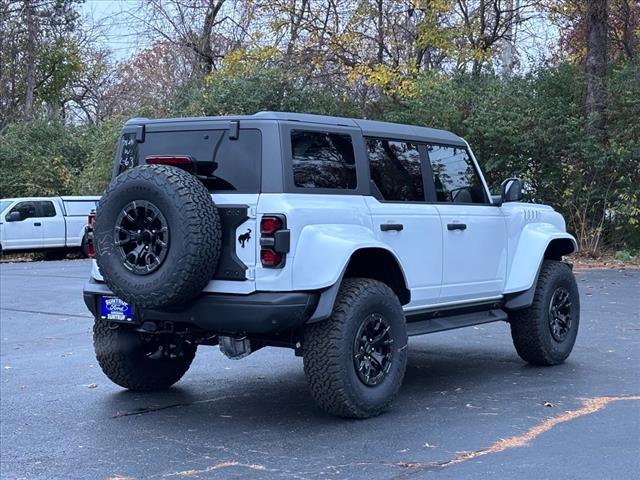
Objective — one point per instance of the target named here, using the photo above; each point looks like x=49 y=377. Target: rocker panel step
x=418 y=326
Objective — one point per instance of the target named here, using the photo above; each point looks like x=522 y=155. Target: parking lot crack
x=157 y=408
x=589 y=406
x=217 y=466
x=54 y=314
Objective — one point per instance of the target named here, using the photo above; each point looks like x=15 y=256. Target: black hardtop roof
x=368 y=127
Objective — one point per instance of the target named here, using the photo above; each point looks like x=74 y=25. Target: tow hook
x=235 y=348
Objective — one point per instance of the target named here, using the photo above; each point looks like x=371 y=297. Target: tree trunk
x=380 y=33
x=509 y=40
x=205 y=53
x=31 y=57
x=596 y=64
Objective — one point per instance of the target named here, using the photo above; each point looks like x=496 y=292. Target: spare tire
x=157 y=236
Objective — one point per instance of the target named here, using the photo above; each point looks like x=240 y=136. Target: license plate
x=116 y=310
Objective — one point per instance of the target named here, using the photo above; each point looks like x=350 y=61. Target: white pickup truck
x=44 y=223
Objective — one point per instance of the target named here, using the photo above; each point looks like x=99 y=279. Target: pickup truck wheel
x=355 y=361
x=140 y=362
x=157 y=236
x=84 y=246
x=544 y=333
x=55 y=254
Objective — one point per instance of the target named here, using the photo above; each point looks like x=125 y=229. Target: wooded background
x=546 y=90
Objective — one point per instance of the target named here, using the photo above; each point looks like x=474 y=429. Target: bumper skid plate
x=254 y=313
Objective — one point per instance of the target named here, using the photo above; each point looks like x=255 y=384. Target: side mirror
x=14 y=217
x=511 y=190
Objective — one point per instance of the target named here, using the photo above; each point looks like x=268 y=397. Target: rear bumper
x=254 y=313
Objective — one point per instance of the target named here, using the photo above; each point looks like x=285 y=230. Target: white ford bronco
x=336 y=237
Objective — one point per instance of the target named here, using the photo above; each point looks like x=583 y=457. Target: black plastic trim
x=387 y=227
x=230 y=267
x=325 y=302
x=450 y=322
x=524 y=299
x=257 y=313
x=282 y=241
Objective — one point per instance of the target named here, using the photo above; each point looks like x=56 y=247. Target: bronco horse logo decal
x=245 y=237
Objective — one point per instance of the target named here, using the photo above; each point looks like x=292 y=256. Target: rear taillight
x=270 y=225
x=274 y=241
x=175 y=160
x=270 y=258
x=90 y=221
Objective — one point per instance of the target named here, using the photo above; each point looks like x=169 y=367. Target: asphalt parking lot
x=469 y=407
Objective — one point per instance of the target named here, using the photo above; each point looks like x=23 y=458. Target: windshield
x=4 y=204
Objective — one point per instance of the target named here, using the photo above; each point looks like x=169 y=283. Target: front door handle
x=385 y=227
x=37 y=224
x=456 y=226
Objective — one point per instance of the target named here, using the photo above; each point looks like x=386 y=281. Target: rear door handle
x=456 y=226
x=37 y=224
x=385 y=227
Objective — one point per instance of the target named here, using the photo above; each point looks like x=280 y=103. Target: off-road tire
x=194 y=236
x=530 y=328
x=328 y=351
x=121 y=353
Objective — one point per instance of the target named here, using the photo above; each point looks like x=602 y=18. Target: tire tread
x=324 y=362
x=529 y=328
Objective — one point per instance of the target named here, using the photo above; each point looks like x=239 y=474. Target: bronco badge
x=245 y=237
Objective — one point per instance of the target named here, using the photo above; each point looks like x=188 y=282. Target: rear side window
x=47 y=208
x=455 y=176
x=323 y=160
x=79 y=208
x=396 y=169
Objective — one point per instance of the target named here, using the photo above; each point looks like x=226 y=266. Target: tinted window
x=395 y=169
x=26 y=209
x=77 y=208
x=323 y=160
x=223 y=163
x=48 y=210
x=455 y=176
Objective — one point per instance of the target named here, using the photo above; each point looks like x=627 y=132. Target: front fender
x=529 y=253
x=323 y=251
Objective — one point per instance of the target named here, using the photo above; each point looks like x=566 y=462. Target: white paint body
x=499 y=252
x=64 y=230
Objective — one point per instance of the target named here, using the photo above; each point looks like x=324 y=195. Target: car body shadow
x=282 y=396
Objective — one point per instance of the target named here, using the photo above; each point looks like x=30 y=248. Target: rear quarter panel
x=325 y=230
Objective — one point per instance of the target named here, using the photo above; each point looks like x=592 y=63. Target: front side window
x=323 y=160
x=396 y=169
x=455 y=176
x=26 y=209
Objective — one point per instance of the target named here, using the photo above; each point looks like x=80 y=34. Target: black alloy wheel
x=560 y=314
x=373 y=350
x=142 y=237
